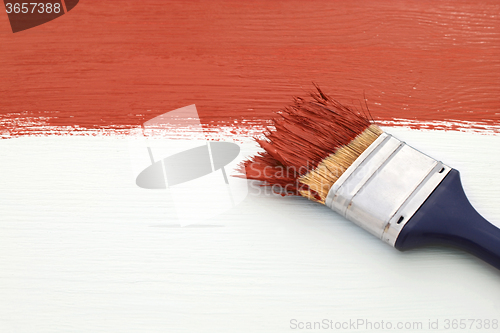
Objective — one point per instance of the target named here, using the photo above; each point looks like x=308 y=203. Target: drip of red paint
x=304 y=134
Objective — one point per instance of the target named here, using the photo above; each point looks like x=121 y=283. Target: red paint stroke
x=116 y=64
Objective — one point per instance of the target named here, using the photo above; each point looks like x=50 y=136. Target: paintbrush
x=337 y=156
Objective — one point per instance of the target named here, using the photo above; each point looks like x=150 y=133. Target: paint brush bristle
x=309 y=146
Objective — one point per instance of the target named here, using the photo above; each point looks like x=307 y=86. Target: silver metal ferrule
x=385 y=186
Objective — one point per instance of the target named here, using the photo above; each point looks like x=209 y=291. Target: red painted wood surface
x=118 y=63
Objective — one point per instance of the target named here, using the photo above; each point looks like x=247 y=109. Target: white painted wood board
x=83 y=249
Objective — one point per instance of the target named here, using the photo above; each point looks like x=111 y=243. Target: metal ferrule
x=385 y=186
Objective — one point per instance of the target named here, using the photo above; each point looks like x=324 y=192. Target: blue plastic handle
x=448 y=218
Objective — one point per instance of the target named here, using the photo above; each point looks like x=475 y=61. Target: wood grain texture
x=118 y=63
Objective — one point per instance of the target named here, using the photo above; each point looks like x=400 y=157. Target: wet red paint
x=109 y=64
x=302 y=136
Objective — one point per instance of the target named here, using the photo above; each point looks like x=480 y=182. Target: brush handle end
x=448 y=218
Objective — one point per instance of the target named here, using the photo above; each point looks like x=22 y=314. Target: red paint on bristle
x=305 y=133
